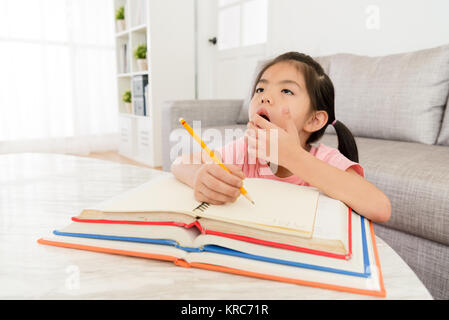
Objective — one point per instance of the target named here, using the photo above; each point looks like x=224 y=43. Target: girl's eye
x=287 y=91
x=257 y=90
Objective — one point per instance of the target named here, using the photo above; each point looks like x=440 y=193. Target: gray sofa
x=397 y=108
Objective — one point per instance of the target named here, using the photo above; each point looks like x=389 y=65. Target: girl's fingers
x=258 y=133
x=235 y=170
x=289 y=124
x=252 y=143
x=216 y=184
x=199 y=196
x=215 y=195
x=252 y=129
x=262 y=123
x=233 y=178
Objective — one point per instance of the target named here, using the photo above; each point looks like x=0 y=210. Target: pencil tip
x=249 y=198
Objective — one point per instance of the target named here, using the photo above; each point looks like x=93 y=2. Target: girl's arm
x=209 y=181
x=346 y=186
x=185 y=167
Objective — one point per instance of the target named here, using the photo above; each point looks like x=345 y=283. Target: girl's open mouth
x=264 y=114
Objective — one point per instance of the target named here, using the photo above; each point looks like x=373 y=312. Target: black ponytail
x=346 y=142
x=322 y=97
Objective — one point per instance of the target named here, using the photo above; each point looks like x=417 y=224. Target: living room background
x=58 y=59
x=366 y=27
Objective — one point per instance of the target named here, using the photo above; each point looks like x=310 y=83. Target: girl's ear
x=317 y=120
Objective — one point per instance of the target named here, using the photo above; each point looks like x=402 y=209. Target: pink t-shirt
x=236 y=153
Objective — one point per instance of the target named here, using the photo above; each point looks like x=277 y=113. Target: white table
x=41 y=192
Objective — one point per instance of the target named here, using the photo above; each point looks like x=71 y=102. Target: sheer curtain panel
x=57 y=76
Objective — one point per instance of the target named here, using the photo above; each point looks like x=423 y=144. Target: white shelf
x=131 y=115
x=124 y=75
x=125 y=33
x=122 y=34
x=142 y=27
x=171 y=74
x=138 y=73
x=130 y=74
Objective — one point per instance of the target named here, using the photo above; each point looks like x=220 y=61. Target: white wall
x=206 y=29
x=171 y=56
x=367 y=27
x=321 y=27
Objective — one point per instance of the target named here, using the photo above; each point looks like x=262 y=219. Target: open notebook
x=284 y=215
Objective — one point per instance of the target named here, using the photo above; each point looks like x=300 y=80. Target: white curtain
x=57 y=76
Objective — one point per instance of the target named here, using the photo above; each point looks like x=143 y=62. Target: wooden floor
x=114 y=156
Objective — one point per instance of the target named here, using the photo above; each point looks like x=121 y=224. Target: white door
x=232 y=36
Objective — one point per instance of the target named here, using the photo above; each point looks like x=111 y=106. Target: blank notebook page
x=158 y=195
x=277 y=203
x=332 y=219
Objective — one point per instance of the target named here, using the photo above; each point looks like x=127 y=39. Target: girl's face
x=282 y=86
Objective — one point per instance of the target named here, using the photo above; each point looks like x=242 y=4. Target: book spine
x=140 y=84
x=125 y=59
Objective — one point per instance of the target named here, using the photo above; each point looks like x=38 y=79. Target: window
x=241 y=23
x=57 y=69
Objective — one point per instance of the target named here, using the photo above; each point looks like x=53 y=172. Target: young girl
x=294 y=96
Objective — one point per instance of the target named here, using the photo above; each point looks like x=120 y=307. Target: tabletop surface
x=41 y=192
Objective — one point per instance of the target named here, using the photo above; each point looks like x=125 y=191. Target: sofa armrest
x=211 y=113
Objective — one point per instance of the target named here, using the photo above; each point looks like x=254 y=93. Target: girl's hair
x=322 y=96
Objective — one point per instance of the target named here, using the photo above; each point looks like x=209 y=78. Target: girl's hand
x=213 y=184
x=280 y=143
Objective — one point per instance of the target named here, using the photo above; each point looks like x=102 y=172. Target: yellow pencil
x=211 y=154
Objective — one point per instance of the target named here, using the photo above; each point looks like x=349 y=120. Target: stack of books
x=292 y=234
x=140 y=83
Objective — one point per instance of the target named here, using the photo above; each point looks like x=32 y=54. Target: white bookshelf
x=167 y=28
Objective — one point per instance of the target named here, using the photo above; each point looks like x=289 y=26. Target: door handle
x=213 y=40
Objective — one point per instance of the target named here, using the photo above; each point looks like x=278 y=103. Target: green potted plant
x=120 y=19
x=126 y=97
x=140 y=53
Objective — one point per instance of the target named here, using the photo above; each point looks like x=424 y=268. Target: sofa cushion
x=243 y=117
x=443 y=138
x=217 y=137
x=414 y=177
x=398 y=97
x=199 y=114
x=324 y=61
